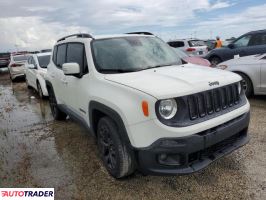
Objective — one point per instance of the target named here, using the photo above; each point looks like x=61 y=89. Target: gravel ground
x=36 y=151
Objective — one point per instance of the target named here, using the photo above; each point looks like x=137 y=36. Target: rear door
x=257 y=44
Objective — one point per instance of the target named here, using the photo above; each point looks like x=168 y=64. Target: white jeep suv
x=146 y=110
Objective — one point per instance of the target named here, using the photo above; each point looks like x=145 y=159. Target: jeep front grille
x=213 y=101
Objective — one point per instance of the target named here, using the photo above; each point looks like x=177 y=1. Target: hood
x=246 y=60
x=174 y=81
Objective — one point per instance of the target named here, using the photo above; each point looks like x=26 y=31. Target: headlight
x=223 y=67
x=167 y=108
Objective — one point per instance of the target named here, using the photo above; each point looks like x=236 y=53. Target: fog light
x=169 y=159
x=162 y=157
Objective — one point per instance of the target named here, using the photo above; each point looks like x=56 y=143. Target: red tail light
x=15 y=65
x=191 y=49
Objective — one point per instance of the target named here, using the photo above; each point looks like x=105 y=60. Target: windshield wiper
x=157 y=66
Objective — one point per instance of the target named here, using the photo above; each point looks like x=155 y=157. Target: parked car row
x=250 y=43
x=4 y=59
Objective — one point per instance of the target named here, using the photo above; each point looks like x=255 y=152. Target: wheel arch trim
x=107 y=111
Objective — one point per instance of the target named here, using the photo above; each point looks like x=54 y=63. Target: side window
x=76 y=53
x=176 y=44
x=258 y=39
x=180 y=44
x=243 y=41
x=61 y=55
x=54 y=54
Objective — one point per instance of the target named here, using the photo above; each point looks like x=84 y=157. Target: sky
x=35 y=25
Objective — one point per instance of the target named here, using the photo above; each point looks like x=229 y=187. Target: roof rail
x=78 y=35
x=140 y=33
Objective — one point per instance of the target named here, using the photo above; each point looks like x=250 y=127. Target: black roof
x=258 y=31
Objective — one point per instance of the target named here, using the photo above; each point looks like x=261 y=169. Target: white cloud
x=31 y=33
x=253 y=18
x=37 y=24
x=221 y=4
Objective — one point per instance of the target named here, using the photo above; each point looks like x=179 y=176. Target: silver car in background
x=16 y=66
x=193 y=47
x=253 y=71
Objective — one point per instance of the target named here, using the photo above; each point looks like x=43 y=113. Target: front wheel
x=56 y=112
x=116 y=157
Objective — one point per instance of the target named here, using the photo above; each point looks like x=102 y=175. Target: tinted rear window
x=20 y=58
x=43 y=61
x=196 y=43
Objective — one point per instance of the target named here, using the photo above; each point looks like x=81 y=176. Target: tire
x=215 y=60
x=116 y=157
x=246 y=84
x=39 y=90
x=56 y=112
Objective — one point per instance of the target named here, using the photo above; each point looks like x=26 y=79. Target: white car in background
x=16 y=66
x=253 y=71
x=35 y=71
x=193 y=47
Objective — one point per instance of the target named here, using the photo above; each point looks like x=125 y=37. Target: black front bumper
x=194 y=152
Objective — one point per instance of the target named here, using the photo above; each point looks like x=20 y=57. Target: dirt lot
x=36 y=151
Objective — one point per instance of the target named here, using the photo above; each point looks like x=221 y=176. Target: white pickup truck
x=147 y=110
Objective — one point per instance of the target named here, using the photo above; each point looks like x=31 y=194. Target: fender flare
x=107 y=111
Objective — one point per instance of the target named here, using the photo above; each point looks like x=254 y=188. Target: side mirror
x=231 y=46
x=71 y=69
x=31 y=66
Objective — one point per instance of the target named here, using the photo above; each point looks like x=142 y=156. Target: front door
x=76 y=54
x=241 y=46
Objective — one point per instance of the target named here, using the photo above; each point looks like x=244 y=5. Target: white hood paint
x=246 y=60
x=174 y=81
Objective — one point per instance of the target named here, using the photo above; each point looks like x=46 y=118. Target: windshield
x=20 y=58
x=44 y=61
x=196 y=43
x=134 y=53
